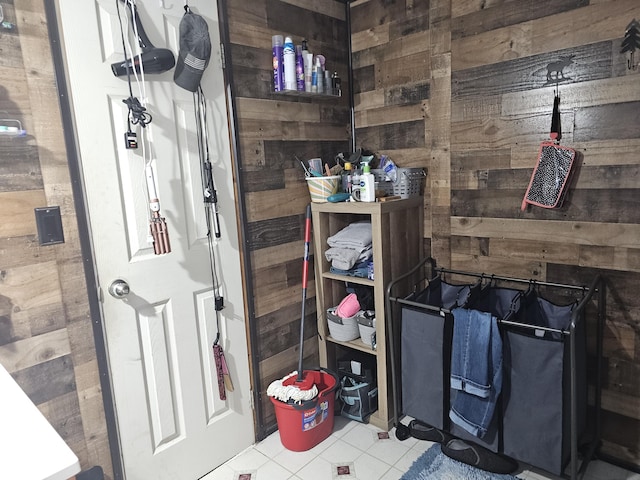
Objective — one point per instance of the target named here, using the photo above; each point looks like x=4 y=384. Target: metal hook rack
x=631 y=42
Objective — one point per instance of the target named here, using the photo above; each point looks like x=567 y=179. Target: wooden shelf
x=397 y=232
x=298 y=93
x=356 y=344
x=347 y=278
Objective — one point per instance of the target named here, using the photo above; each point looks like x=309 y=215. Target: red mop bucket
x=303 y=426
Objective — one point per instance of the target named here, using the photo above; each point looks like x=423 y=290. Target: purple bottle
x=277 y=42
x=299 y=69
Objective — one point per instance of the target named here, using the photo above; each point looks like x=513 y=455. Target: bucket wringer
x=304 y=400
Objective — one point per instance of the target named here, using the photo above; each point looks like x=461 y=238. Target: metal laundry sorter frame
x=425 y=271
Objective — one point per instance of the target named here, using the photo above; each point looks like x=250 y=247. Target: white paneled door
x=172 y=423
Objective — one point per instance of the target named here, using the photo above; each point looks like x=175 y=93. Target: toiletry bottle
x=336 y=84
x=355 y=177
x=299 y=69
x=327 y=82
x=367 y=184
x=278 y=65
x=319 y=75
x=346 y=178
x=289 y=54
x=314 y=76
x=307 y=59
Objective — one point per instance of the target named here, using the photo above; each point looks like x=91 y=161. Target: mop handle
x=307 y=240
x=305 y=274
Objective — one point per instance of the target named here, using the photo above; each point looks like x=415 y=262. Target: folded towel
x=360 y=269
x=476 y=369
x=355 y=235
x=342 y=258
x=346 y=258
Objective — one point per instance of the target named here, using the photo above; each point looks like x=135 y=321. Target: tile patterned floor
x=357 y=451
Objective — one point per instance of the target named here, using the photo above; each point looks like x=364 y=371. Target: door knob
x=119 y=288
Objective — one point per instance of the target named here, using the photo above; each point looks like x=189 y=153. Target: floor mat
x=435 y=465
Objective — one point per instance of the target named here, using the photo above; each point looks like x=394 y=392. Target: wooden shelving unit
x=298 y=93
x=397 y=228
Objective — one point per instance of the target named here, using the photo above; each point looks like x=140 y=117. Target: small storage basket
x=321 y=188
x=409 y=182
x=342 y=329
x=367 y=327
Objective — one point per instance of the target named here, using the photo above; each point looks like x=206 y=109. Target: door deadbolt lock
x=119 y=288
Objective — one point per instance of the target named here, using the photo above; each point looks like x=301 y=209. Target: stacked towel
x=350 y=246
x=355 y=235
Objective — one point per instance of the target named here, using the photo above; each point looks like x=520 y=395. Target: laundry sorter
x=541 y=414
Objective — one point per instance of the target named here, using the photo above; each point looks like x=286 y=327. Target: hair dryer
x=153 y=59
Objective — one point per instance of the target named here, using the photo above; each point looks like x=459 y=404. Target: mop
x=298 y=386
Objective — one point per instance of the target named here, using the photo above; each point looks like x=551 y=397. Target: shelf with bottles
x=299 y=72
x=301 y=93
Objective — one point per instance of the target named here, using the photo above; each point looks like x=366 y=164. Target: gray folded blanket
x=356 y=235
x=346 y=258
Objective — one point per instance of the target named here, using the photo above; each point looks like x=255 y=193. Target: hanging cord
x=137 y=112
x=208 y=186
x=137 y=115
x=210 y=198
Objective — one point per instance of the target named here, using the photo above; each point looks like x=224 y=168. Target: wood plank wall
x=457 y=87
x=273 y=130
x=46 y=336
x=460 y=87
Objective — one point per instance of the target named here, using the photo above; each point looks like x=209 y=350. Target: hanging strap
x=217 y=356
x=556 y=130
x=208 y=186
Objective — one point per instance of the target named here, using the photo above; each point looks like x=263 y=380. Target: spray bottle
x=278 y=63
x=299 y=69
x=367 y=183
x=289 y=56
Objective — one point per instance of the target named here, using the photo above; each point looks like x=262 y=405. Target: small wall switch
x=49 y=225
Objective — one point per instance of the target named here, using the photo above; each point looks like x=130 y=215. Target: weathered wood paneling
x=458 y=88
x=46 y=337
x=499 y=92
x=275 y=131
x=487 y=104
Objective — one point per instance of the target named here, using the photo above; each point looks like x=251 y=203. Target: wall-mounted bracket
x=631 y=42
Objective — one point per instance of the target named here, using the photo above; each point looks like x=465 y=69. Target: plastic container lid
x=277 y=41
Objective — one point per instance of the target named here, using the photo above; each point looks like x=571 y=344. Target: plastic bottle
x=346 y=178
x=289 y=54
x=319 y=75
x=299 y=69
x=307 y=60
x=278 y=65
x=314 y=76
x=367 y=184
x=336 y=84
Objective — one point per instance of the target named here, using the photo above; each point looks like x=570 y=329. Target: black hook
x=631 y=65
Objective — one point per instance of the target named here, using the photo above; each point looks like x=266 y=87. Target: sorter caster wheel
x=402 y=432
